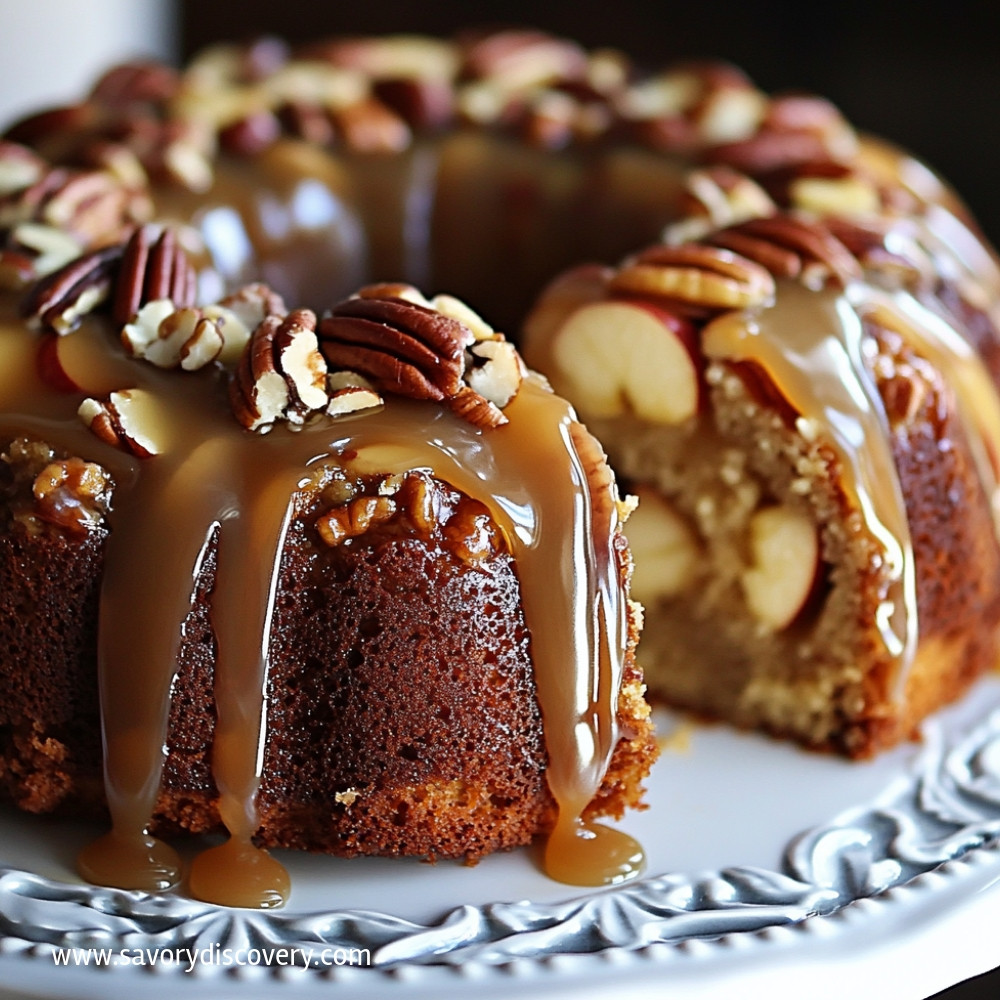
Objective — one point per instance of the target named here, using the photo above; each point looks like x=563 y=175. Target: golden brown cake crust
x=402 y=715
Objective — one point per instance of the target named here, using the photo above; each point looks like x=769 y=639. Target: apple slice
x=664 y=548
x=50 y=367
x=566 y=293
x=785 y=553
x=624 y=355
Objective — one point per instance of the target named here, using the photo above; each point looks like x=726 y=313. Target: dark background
x=926 y=75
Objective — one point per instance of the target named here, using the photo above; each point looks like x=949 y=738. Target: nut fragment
x=20 y=167
x=125 y=420
x=169 y=337
x=339 y=524
x=281 y=375
x=494 y=371
x=716 y=197
x=704 y=277
x=72 y=494
x=370 y=127
x=60 y=301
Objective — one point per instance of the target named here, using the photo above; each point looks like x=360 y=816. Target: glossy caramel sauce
x=810 y=344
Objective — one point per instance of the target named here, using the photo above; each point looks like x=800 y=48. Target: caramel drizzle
x=212 y=477
x=810 y=344
x=939 y=343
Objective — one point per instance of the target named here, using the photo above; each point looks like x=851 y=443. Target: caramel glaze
x=809 y=341
x=210 y=476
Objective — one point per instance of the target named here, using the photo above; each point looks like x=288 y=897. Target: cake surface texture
x=295 y=551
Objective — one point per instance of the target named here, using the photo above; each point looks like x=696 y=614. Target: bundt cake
x=344 y=575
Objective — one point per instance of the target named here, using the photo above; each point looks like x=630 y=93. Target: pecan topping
x=398 y=341
x=72 y=494
x=716 y=197
x=707 y=278
x=424 y=104
x=139 y=82
x=60 y=301
x=93 y=206
x=281 y=375
x=795 y=130
x=791 y=248
x=476 y=409
x=400 y=346
x=175 y=338
x=154 y=266
x=370 y=127
x=518 y=60
x=122 y=420
x=19 y=167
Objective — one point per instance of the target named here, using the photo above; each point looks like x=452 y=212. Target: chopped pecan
x=123 y=420
x=154 y=266
x=281 y=374
x=706 y=278
x=46 y=248
x=92 y=205
x=355 y=518
x=494 y=371
x=885 y=249
x=791 y=248
x=350 y=393
x=178 y=338
x=59 y=301
x=476 y=409
x=72 y=494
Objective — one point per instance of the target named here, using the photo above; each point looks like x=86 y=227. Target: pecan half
x=398 y=345
x=519 y=60
x=60 y=301
x=707 y=278
x=715 y=197
x=154 y=266
x=123 y=420
x=281 y=375
x=791 y=248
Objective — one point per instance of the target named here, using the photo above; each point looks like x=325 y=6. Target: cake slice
x=806 y=407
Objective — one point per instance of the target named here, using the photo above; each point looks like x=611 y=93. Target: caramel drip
x=534 y=480
x=976 y=400
x=810 y=344
x=213 y=479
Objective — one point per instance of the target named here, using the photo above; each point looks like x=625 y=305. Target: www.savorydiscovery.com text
x=190 y=958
